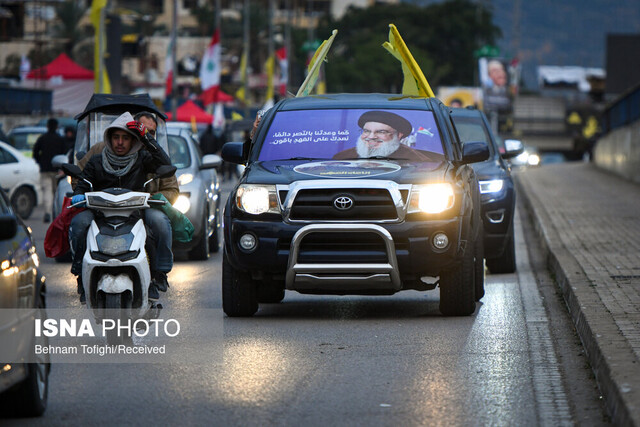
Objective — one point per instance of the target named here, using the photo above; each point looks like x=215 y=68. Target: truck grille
x=368 y=204
x=342 y=248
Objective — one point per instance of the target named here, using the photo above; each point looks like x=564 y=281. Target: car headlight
x=185 y=178
x=491 y=186
x=431 y=198
x=533 y=160
x=182 y=203
x=257 y=199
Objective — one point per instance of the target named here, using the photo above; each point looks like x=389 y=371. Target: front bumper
x=338 y=256
x=497 y=218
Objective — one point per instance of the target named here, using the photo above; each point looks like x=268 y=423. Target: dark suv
x=497 y=192
x=353 y=194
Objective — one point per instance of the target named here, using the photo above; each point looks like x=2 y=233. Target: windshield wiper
x=301 y=158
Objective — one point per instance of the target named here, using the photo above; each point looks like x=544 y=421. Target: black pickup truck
x=354 y=194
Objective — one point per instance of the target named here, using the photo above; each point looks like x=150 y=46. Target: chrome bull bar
x=352 y=276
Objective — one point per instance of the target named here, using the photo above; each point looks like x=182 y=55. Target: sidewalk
x=589 y=223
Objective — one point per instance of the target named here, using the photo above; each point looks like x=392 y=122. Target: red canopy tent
x=189 y=110
x=72 y=85
x=62 y=66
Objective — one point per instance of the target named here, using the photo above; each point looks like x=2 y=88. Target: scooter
x=115 y=266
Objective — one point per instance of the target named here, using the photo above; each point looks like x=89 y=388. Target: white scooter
x=115 y=266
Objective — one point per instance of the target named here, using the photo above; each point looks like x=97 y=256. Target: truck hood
x=402 y=172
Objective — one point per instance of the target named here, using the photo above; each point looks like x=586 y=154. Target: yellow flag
x=314 y=65
x=243 y=77
x=269 y=66
x=101 y=79
x=415 y=83
x=236 y=116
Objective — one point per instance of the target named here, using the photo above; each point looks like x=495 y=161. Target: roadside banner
x=415 y=83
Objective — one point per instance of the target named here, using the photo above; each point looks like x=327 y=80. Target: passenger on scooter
x=130 y=153
x=158 y=224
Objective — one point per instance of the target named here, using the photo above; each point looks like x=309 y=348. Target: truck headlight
x=491 y=186
x=431 y=198
x=257 y=199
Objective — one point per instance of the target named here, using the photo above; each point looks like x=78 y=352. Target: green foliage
x=69 y=14
x=441 y=38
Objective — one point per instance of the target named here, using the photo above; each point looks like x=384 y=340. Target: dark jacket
x=146 y=163
x=403 y=152
x=46 y=147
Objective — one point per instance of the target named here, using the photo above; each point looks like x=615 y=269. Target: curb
x=610 y=355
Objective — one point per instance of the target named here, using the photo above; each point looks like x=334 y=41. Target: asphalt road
x=328 y=360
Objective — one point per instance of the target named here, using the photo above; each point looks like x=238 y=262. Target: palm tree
x=69 y=13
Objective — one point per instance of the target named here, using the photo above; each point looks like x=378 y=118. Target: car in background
x=20 y=178
x=24 y=375
x=497 y=191
x=199 y=197
x=24 y=138
x=530 y=157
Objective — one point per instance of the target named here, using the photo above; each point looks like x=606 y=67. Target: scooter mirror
x=165 y=171
x=71 y=170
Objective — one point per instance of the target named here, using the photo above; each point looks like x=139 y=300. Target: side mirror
x=73 y=171
x=165 y=171
x=474 y=152
x=8 y=226
x=512 y=148
x=211 y=161
x=58 y=160
x=232 y=152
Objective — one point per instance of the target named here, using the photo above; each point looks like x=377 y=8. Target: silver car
x=199 y=196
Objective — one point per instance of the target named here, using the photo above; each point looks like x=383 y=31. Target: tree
x=441 y=37
x=69 y=14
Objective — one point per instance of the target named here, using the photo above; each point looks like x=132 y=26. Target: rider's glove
x=77 y=199
x=138 y=128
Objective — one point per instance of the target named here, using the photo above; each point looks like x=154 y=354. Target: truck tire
x=239 y=296
x=457 y=289
x=505 y=263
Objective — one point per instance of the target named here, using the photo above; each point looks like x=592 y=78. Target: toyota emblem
x=343 y=203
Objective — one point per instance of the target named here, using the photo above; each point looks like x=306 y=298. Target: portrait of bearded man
x=381 y=135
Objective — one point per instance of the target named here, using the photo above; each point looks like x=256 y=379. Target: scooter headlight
x=114 y=245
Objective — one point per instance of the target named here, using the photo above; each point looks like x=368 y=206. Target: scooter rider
x=130 y=153
x=158 y=224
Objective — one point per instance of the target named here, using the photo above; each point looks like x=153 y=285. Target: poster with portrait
x=349 y=134
x=494 y=79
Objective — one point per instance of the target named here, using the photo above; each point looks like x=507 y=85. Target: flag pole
x=245 y=77
x=174 y=41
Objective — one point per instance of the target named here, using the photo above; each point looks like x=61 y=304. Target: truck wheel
x=505 y=263
x=479 y=266
x=239 y=296
x=270 y=294
x=457 y=290
x=23 y=201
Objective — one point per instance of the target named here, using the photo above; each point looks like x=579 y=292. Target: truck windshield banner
x=349 y=134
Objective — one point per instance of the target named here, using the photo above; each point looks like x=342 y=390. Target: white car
x=20 y=178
